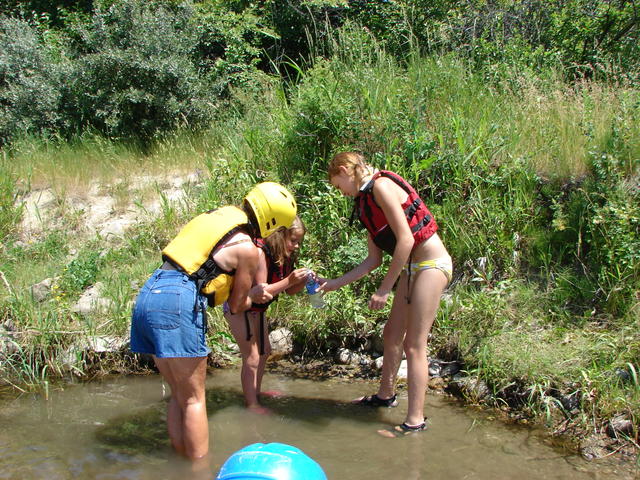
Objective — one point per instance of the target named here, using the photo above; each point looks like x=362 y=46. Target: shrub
x=133 y=75
x=228 y=46
x=30 y=92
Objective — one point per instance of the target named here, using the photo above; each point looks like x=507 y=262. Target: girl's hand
x=259 y=294
x=299 y=275
x=378 y=300
x=327 y=285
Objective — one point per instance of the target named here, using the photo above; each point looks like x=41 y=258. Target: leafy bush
x=228 y=46
x=612 y=233
x=81 y=271
x=30 y=89
x=133 y=76
x=586 y=36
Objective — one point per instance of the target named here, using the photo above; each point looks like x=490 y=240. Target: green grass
x=533 y=182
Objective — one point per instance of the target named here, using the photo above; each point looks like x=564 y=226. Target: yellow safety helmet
x=273 y=206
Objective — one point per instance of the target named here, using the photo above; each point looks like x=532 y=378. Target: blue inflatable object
x=270 y=461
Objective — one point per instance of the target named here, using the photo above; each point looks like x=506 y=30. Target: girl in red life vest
x=399 y=223
x=276 y=268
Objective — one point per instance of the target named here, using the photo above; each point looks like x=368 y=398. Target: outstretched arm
x=297 y=280
x=370 y=263
x=292 y=283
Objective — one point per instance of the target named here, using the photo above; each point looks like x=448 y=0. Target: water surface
x=115 y=429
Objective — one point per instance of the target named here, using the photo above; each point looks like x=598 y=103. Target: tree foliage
x=30 y=93
x=133 y=68
x=133 y=74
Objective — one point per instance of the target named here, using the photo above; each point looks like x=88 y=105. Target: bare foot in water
x=272 y=394
x=259 y=409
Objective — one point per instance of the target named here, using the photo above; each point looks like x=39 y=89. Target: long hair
x=356 y=165
x=276 y=241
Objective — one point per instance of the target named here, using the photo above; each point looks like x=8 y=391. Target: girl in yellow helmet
x=169 y=320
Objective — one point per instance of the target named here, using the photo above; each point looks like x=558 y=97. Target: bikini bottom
x=444 y=264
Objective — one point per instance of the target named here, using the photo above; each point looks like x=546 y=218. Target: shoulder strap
x=209 y=269
x=396 y=178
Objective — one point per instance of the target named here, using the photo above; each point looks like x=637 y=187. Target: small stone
x=619 y=425
x=378 y=362
x=436 y=383
x=281 y=340
x=344 y=356
x=91 y=301
x=403 y=371
x=40 y=291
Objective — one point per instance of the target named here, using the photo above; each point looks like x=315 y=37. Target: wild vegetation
x=518 y=122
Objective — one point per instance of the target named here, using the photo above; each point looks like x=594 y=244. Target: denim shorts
x=169 y=317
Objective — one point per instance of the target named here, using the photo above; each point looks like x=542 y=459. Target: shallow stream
x=115 y=429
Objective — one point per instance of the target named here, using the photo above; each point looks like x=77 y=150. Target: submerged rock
x=468 y=387
x=595 y=446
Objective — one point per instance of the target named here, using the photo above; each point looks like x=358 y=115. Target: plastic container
x=315 y=297
x=271 y=461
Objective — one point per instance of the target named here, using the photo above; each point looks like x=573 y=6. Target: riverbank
x=471 y=391
x=116 y=428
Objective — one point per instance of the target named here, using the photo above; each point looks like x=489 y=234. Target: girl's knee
x=253 y=359
x=413 y=349
x=190 y=399
x=393 y=336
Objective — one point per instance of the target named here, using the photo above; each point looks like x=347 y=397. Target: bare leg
x=250 y=351
x=393 y=336
x=186 y=413
x=174 y=424
x=425 y=300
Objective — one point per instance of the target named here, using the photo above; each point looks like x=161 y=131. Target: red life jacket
x=420 y=220
x=275 y=273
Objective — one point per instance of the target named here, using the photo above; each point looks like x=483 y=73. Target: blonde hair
x=276 y=241
x=356 y=165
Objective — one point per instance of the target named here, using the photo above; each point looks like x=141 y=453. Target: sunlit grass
x=77 y=166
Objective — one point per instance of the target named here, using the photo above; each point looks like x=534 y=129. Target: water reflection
x=116 y=430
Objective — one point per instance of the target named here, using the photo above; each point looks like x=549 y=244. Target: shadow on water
x=320 y=411
x=145 y=432
x=142 y=432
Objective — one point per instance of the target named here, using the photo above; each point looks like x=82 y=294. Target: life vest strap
x=411 y=210
x=421 y=223
x=247 y=324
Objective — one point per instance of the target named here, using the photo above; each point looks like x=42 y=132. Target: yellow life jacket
x=192 y=250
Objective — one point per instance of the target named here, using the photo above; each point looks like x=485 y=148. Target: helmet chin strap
x=252 y=227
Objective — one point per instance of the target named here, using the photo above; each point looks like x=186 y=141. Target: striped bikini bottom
x=444 y=264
